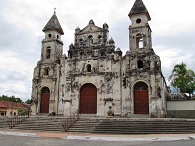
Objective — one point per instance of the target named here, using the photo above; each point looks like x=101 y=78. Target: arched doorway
x=141 y=100
x=45 y=97
x=88 y=99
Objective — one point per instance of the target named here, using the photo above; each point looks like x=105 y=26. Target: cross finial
x=54 y=10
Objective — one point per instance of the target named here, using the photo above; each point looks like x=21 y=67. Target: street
x=7 y=140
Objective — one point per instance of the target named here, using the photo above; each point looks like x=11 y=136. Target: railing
x=12 y=122
x=69 y=121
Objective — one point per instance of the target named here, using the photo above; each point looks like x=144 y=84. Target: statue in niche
x=144 y=40
x=147 y=64
x=95 y=53
x=68 y=87
x=101 y=87
x=110 y=84
x=101 y=41
x=75 y=86
x=84 y=68
x=83 y=42
x=95 y=68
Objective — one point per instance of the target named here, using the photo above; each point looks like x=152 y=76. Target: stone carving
x=101 y=88
x=68 y=87
x=75 y=87
x=136 y=30
x=84 y=68
x=110 y=84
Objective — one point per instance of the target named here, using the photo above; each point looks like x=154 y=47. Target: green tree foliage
x=28 y=101
x=183 y=78
x=10 y=99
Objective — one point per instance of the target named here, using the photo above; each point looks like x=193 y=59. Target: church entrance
x=141 y=100
x=88 y=99
x=45 y=97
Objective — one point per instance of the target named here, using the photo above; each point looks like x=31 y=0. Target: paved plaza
x=13 y=140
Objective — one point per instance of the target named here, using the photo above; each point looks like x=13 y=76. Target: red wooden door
x=44 y=107
x=141 y=102
x=88 y=99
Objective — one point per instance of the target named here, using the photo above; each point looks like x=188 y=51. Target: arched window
x=99 y=39
x=45 y=90
x=46 y=71
x=140 y=64
x=139 y=41
x=49 y=36
x=88 y=68
x=48 y=52
x=80 y=42
x=90 y=40
x=140 y=86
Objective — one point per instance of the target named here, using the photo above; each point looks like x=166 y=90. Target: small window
x=48 y=52
x=49 y=35
x=46 y=72
x=139 y=41
x=88 y=68
x=140 y=64
x=90 y=40
x=81 y=42
x=138 y=21
x=100 y=39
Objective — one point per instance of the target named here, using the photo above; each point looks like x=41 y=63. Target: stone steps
x=133 y=126
x=85 y=125
x=3 y=122
x=111 y=125
x=42 y=123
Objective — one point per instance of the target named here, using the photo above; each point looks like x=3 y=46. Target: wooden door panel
x=44 y=107
x=88 y=99
x=141 y=102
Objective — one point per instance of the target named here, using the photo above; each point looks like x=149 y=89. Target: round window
x=138 y=20
x=49 y=35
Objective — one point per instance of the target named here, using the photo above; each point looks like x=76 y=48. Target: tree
x=28 y=101
x=183 y=78
x=10 y=99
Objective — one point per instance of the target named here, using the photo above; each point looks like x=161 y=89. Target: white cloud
x=22 y=21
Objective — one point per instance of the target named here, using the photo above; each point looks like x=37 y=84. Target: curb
x=19 y=134
x=130 y=139
x=106 y=138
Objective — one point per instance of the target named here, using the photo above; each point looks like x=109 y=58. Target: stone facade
x=95 y=76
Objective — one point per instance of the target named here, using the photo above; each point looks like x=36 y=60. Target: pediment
x=90 y=28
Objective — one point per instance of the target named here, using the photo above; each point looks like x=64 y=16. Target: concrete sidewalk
x=102 y=137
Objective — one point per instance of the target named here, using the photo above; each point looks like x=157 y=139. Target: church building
x=95 y=76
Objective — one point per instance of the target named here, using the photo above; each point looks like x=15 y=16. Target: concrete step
x=42 y=123
x=3 y=122
x=102 y=125
x=133 y=126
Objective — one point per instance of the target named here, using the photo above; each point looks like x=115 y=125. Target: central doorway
x=141 y=100
x=45 y=97
x=88 y=99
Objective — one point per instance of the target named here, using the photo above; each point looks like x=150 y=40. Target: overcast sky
x=22 y=21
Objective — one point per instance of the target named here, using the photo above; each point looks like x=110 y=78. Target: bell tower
x=46 y=76
x=52 y=44
x=139 y=31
